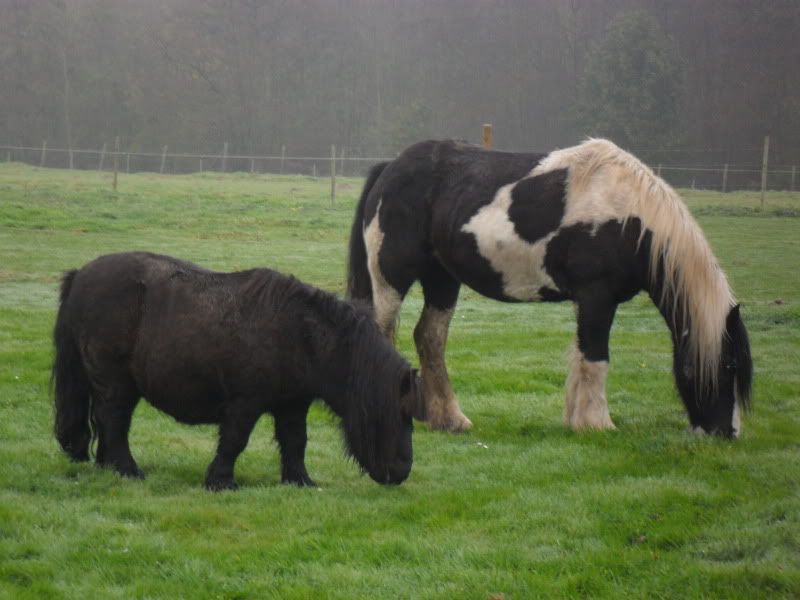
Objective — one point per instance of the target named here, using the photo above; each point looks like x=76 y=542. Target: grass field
x=519 y=507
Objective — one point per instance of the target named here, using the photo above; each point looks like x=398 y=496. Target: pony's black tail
x=359 y=286
x=70 y=384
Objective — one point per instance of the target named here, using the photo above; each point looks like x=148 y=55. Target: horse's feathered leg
x=290 y=432
x=112 y=410
x=234 y=432
x=586 y=406
x=440 y=290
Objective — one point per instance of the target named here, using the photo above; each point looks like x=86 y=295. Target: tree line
x=679 y=81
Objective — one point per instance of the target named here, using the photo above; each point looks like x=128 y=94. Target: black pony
x=590 y=224
x=224 y=348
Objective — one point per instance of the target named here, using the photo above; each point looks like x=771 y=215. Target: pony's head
x=715 y=407
x=383 y=396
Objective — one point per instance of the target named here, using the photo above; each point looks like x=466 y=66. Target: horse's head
x=716 y=407
x=378 y=434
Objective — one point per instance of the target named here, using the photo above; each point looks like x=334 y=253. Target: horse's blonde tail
x=72 y=396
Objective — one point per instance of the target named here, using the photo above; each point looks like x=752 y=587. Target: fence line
x=725 y=177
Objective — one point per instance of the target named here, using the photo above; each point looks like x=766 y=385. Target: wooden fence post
x=333 y=175
x=224 y=157
x=116 y=161
x=283 y=157
x=44 y=153
x=764 y=164
x=163 y=159
x=725 y=178
x=487 y=136
x=102 y=157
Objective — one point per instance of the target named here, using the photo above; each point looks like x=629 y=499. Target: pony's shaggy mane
x=374 y=372
x=694 y=289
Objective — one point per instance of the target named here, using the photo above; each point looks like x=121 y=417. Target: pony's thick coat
x=225 y=348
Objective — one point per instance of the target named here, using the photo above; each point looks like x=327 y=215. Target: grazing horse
x=590 y=224
x=224 y=348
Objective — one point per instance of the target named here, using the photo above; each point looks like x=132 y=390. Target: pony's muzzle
x=395 y=474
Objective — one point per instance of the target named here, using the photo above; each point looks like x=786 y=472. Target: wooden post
x=764 y=164
x=725 y=178
x=487 y=135
x=116 y=161
x=224 y=157
x=333 y=175
x=283 y=157
x=794 y=170
x=163 y=159
x=44 y=153
x=102 y=157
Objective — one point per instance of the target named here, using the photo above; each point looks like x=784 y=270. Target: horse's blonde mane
x=600 y=173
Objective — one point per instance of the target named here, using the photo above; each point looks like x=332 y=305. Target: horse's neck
x=674 y=312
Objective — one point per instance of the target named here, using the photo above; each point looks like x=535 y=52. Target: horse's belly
x=186 y=400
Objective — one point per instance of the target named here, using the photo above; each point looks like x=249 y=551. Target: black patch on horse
x=537 y=205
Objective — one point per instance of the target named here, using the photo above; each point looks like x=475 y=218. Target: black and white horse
x=224 y=348
x=591 y=224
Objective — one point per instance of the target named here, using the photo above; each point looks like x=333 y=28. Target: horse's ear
x=411 y=394
x=733 y=317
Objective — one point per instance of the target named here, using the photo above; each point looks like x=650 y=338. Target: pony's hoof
x=135 y=473
x=219 y=485
x=301 y=481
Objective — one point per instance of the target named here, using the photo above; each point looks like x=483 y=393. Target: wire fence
x=723 y=177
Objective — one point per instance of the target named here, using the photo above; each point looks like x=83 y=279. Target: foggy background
x=681 y=81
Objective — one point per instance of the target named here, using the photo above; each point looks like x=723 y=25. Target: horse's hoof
x=219 y=485
x=454 y=424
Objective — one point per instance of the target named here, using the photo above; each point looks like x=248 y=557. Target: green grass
x=519 y=507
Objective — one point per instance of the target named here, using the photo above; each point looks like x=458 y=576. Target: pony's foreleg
x=586 y=406
x=290 y=432
x=234 y=432
x=430 y=336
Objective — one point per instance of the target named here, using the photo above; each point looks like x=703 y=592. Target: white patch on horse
x=736 y=421
x=385 y=299
x=586 y=406
x=520 y=263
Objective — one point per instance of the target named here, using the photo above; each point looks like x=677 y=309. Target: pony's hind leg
x=430 y=336
x=234 y=433
x=113 y=406
x=290 y=432
x=586 y=406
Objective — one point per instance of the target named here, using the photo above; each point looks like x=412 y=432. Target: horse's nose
x=396 y=473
